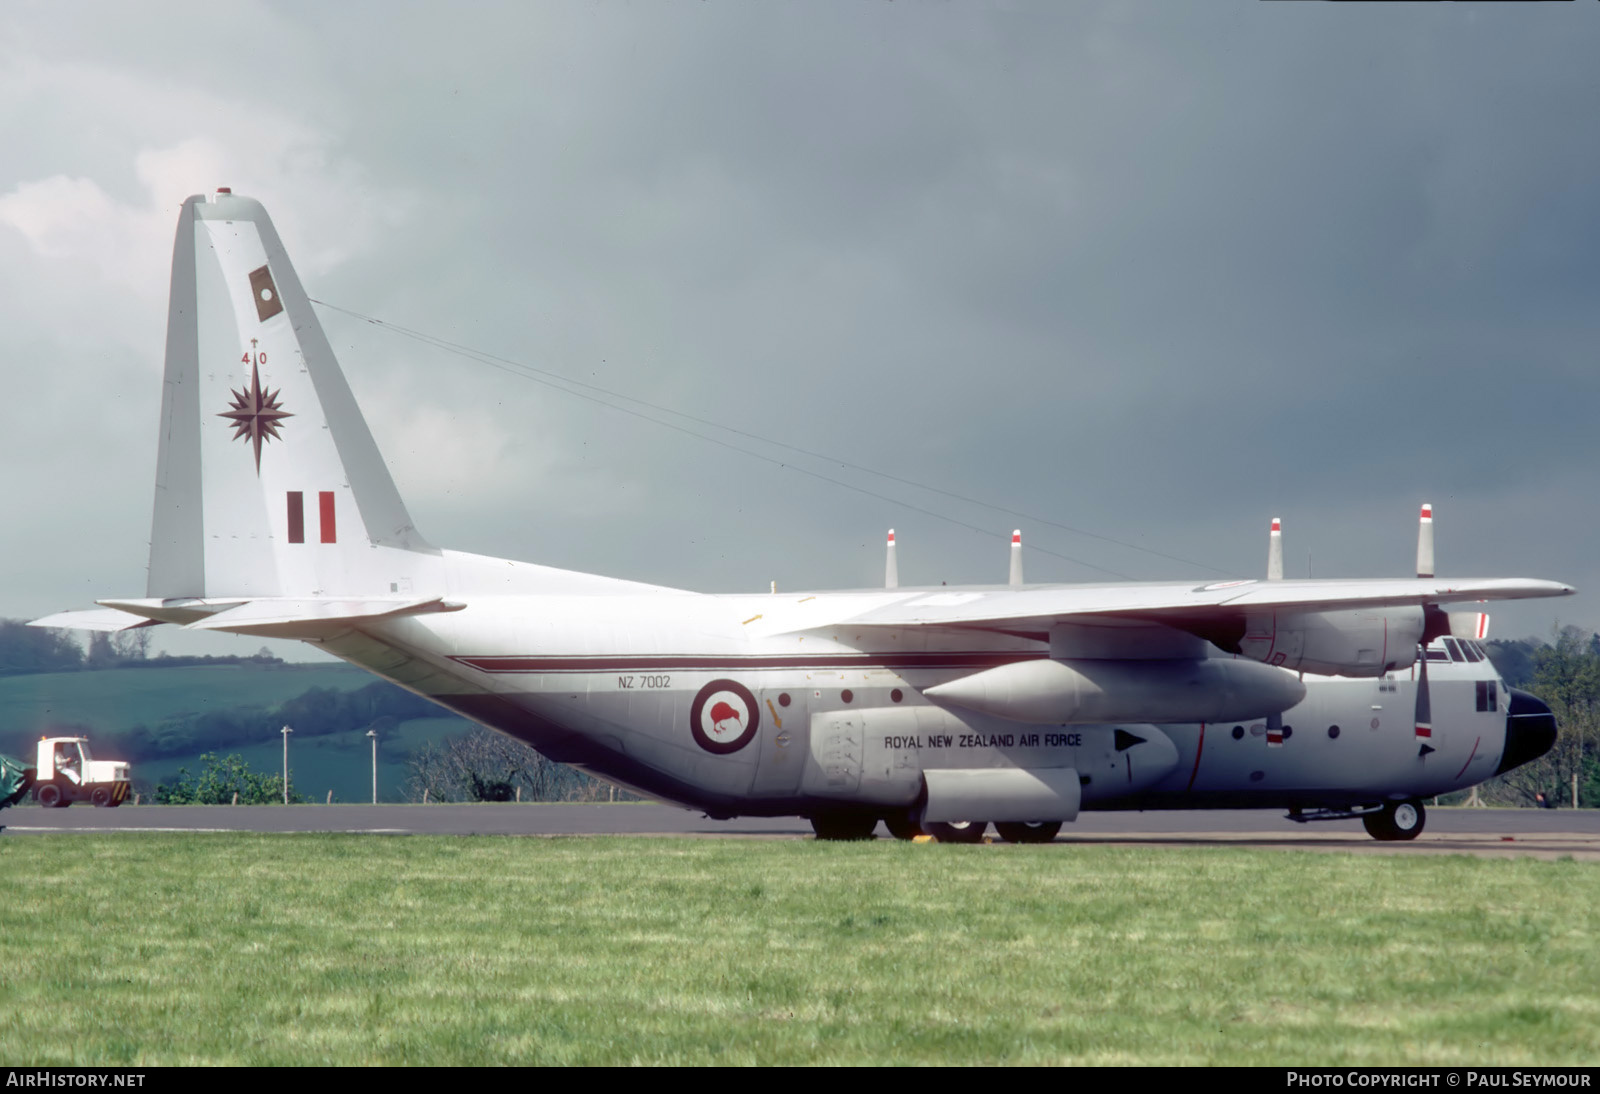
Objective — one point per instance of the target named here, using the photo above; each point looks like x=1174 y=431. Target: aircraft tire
x=101 y=797
x=1377 y=825
x=902 y=826
x=1406 y=819
x=844 y=826
x=956 y=831
x=49 y=796
x=1398 y=821
x=1028 y=831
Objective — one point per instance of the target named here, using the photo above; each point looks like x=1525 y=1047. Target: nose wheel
x=1396 y=821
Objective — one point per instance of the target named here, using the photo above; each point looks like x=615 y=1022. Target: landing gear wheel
x=844 y=826
x=956 y=831
x=1027 y=831
x=1398 y=821
x=49 y=796
x=101 y=797
x=901 y=826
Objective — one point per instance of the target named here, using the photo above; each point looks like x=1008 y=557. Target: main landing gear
x=903 y=826
x=844 y=826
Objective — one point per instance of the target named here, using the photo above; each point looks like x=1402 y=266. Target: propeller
x=1016 y=558
x=1424 y=715
x=891 y=571
x=1275 y=551
x=1435 y=623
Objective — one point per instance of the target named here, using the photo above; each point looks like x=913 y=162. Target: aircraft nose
x=1530 y=731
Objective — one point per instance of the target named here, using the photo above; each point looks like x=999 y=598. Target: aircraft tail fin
x=268 y=482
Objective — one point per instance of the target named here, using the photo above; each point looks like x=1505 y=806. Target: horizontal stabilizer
x=95 y=619
x=292 y=617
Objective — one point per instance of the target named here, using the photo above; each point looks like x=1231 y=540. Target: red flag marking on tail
x=297 y=517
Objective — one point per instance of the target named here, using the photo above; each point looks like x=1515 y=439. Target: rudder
x=268 y=482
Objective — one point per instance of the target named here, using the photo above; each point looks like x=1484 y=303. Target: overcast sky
x=1155 y=272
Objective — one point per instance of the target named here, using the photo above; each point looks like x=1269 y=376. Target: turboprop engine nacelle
x=1347 y=643
x=1087 y=691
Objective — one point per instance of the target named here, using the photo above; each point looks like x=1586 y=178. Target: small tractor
x=65 y=773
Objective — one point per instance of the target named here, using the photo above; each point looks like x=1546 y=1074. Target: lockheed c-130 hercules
x=935 y=710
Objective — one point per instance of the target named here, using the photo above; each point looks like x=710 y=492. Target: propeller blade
x=1424 y=719
x=1425 y=542
x=1275 y=729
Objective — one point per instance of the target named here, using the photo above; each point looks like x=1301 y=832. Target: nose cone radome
x=1530 y=731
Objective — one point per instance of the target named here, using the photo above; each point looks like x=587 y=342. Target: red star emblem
x=255 y=415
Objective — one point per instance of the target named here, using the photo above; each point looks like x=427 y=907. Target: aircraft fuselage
x=835 y=719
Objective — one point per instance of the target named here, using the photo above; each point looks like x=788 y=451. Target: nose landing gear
x=1396 y=821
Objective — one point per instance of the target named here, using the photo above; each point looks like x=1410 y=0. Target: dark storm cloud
x=1156 y=272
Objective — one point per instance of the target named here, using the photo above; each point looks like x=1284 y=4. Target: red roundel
x=724 y=717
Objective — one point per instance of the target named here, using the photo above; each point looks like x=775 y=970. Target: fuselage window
x=1488 y=695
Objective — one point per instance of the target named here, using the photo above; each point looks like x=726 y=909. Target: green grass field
x=340 y=762
x=231 y=949
x=111 y=701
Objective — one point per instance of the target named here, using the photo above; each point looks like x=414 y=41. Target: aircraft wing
x=1182 y=604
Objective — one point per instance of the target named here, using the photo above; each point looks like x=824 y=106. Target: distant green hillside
x=161 y=719
x=111 y=701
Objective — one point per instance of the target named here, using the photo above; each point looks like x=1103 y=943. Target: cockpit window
x=1437 y=654
x=1470 y=649
x=1455 y=650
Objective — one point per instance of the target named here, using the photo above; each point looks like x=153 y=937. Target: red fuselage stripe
x=711 y=663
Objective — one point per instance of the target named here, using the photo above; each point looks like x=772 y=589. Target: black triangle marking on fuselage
x=1126 y=740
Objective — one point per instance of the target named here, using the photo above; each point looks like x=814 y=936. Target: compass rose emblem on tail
x=256 y=414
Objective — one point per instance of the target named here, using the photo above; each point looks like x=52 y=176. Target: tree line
x=26 y=650
x=1565 y=673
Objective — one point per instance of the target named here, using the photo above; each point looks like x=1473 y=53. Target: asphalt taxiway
x=1499 y=832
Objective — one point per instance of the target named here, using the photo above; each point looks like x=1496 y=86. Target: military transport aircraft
x=932 y=709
